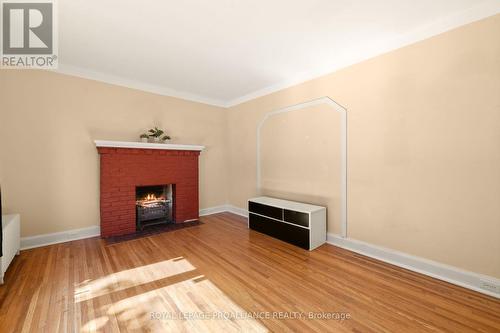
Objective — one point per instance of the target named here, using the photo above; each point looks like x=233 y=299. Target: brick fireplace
x=127 y=166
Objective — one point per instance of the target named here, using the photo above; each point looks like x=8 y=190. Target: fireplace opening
x=154 y=205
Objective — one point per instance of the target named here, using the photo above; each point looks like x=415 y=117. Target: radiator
x=11 y=227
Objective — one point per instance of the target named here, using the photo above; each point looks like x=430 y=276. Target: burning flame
x=150 y=197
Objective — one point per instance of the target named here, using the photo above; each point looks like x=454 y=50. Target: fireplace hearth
x=154 y=205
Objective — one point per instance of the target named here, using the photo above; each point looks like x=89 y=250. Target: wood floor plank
x=220 y=268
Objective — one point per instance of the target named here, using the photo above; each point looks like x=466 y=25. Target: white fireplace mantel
x=143 y=145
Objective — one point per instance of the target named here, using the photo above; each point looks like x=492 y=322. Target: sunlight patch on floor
x=95 y=324
x=194 y=304
x=114 y=282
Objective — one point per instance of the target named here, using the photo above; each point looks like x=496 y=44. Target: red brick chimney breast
x=124 y=169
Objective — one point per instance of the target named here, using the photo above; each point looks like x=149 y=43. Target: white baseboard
x=427 y=267
x=214 y=210
x=76 y=234
x=237 y=210
x=59 y=237
x=222 y=209
x=451 y=274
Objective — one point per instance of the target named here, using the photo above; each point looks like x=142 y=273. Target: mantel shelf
x=143 y=145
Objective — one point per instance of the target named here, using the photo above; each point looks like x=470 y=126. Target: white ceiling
x=224 y=52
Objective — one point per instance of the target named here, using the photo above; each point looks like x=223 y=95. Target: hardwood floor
x=220 y=268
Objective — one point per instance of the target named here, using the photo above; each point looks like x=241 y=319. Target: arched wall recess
x=334 y=106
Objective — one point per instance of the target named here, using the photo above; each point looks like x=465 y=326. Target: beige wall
x=50 y=164
x=301 y=158
x=423 y=147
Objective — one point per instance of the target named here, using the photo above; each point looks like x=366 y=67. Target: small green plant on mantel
x=156 y=134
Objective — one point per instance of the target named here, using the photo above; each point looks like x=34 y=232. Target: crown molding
x=476 y=13
x=445 y=24
x=135 y=84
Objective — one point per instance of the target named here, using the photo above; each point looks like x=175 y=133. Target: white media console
x=297 y=223
x=11 y=243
